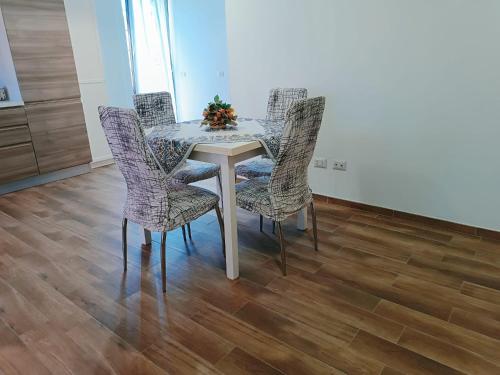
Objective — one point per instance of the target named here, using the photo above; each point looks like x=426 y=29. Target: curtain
x=148 y=30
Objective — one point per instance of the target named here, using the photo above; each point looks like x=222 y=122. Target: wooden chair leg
x=283 y=249
x=315 y=226
x=163 y=262
x=147 y=237
x=124 y=243
x=189 y=231
x=261 y=222
x=184 y=233
x=221 y=226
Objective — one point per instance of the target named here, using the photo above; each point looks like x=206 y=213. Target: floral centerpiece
x=218 y=114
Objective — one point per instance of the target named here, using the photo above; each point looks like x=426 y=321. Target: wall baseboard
x=44 y=179
x=102 y=161
x=444 y=224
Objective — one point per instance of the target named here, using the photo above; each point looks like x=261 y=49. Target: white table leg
x=230 y=220
x=302 y=219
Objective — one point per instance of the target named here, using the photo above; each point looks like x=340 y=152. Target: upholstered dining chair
x=287 y=191
x=153 y=201
x=156 y=109
x=280 y=99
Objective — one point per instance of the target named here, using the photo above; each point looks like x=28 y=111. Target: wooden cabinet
x=41 y=49
x=49 y=133
x=14 y=135
x=59 y=134
x=17 y=162
x=17 y=159
x=12 y=117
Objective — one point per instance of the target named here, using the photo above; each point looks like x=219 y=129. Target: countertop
x=9 y=103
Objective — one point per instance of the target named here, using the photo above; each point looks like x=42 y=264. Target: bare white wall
x=199 y=54
x=8 y=77
x=114 y=52
x=87 y=51
x=98 y=37
x=413 y=95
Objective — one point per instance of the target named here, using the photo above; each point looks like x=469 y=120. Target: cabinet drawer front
x=12 y=116
x=59 y=134
x=14 y=135
x=17 y=162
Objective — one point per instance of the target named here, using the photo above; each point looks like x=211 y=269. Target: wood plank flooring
x=383 y=295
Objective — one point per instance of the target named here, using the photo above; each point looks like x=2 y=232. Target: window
x=148 y=30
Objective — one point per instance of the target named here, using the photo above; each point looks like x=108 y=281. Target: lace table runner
x=172 y=144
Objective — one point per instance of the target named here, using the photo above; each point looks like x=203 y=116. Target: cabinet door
x=14 y=135
x=59 y=134
x=17 y=162
x=41 y=49
x=12 y=117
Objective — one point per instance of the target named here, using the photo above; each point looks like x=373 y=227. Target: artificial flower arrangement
x=218 y=114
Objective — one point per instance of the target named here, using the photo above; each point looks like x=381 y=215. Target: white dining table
x=225 y=152
x=227 y=155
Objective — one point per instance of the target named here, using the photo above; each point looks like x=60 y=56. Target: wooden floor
x=382 y=296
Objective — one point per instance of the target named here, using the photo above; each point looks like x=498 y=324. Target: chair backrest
x=146 y=182
x=155 y=109
x=288 y=183
x=280 y=100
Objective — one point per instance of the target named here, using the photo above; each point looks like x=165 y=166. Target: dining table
x=250 y=138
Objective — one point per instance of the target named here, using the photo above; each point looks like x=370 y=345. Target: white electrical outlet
x=340 y=165
x=320 y=163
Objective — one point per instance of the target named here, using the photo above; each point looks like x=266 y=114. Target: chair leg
x=124 y=243
x=184 y=233
x=274 y=227
x=189 y=231
x=283 y=249
x=221 y=226
x=219 y=184
x=147 y=237
x=163 y=262
x=261 y=222
x=315 y=226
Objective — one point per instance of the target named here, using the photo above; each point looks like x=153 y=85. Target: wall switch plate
x=340 y=165
x=320 y=163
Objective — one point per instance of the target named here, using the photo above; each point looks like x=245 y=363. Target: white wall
x=199 y=51
x=99 y=44
x=112 y=35
x=86 y=48
x=7 y=71
x=413 y=95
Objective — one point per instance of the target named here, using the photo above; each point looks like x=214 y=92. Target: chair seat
x=194 y=170
x=256 y=167
x=187 y=203
x=253 y=195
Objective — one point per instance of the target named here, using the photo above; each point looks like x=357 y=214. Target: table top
x=240 y=139
x=228 y=149
x=171 y=144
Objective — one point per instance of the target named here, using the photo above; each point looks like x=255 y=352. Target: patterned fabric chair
x=286 y=191
x=153 y=201
x=279 y=101
x=156 y=109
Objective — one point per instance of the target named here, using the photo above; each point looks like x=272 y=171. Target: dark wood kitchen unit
x=47 y=133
